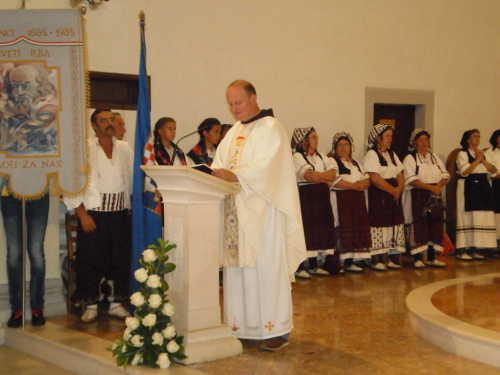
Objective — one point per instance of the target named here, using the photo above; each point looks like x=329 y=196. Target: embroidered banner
x=43 y=101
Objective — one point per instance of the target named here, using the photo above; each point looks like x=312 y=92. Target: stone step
x=74 y=351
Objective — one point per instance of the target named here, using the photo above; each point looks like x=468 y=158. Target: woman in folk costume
x=351 y=214
x=204 y=152
x=493 y=154
x=315 y=174
x=425 y=175
x=165 y=150
x=475 y=216
x=384 y=198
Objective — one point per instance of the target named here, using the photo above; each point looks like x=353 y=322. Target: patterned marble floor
x=466 y=302
x=356 y=324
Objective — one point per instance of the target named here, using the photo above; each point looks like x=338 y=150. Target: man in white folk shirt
x=270 y=244
x=103 y=236
x=119 y=126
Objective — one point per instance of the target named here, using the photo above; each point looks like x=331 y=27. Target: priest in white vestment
x=270 y=245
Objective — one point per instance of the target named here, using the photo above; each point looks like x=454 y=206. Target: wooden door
x=402 y=118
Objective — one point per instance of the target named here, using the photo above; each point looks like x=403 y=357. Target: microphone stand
x=187 y=135
x=196 y=131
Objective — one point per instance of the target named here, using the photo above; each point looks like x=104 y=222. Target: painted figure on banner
x=29 y=102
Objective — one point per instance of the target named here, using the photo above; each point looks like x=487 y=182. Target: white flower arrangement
x=150 y=337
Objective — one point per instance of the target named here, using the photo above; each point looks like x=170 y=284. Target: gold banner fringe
x=85 y=168
x=8 y=190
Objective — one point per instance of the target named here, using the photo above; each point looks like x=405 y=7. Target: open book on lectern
x=203 y=168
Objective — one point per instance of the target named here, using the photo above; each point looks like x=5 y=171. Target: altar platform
x=461 y=316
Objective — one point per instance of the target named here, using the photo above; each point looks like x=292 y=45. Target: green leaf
x=121 y=361
x=170 y=247
x=167 y=268
x=180 y=356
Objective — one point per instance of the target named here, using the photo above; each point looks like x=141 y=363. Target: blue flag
x=146 y=205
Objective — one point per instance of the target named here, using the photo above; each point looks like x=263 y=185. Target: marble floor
x=358 y=324
x=14 y=362
x=466 y=302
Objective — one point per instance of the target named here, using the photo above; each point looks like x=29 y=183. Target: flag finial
x=142 y=16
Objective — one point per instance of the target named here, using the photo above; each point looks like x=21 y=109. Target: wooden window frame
x=115 y=90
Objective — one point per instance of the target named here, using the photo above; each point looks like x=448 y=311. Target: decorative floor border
x=454 y=336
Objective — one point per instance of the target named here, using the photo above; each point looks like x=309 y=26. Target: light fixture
x=93 y=4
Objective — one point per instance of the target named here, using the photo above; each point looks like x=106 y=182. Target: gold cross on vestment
x=269 y=326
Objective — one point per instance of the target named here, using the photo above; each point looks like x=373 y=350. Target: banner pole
x=23 y=249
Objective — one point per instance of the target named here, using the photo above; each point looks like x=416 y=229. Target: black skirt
x=317 y=216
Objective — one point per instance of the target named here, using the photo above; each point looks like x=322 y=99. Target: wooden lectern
x=193 y=209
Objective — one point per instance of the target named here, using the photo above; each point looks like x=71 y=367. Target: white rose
x=168 y=309
x=154 y=281
x=136 y=341
x=149 y=320
x=127 y=334
x=149 y=255
x=157 y=338
x=172 y=347
x=163 y=360
x=137 y=299
x=137 y=360
x=132 y=323
x=169 y=332
x=141 y=275
x=155 y=301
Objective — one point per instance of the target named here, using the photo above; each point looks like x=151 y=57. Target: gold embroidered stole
x=230 y=241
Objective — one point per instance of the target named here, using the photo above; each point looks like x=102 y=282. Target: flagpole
x=146 y=221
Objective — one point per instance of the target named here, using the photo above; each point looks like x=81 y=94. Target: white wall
x=309 y=60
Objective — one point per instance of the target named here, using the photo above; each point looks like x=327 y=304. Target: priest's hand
x=225 y=175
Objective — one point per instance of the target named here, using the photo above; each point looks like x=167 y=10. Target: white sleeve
x=443 y=169
x=72 y=203
x=462 y=162
x=301 y=166
x=366 y=176
x=488 y=155
x=330 y=163
x=409 y=169
x=371 y=162
x=131 y=163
